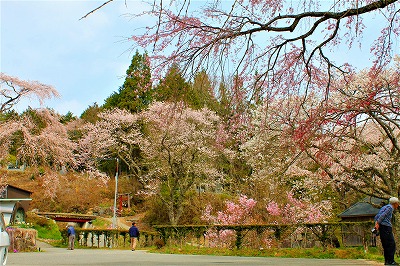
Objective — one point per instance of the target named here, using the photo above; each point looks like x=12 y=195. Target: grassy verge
x=318 y=253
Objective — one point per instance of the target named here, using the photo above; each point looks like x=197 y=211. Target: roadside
x=59 y=256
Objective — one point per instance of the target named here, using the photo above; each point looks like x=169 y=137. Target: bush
x=36 y=219
x=159 y=243
x=50 y=231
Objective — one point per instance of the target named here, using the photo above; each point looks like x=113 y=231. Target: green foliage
x=36 y=119
x=41 y=171
x=8 y=115
x=11 y=159
x=136 y=93
x=202 y=92
x=316 y=253
x=50 y=231
x=47 y=228
x=68 y=117
x=224 y=98
x=101 y=223
x=156 y=213
x=90 y=114
x=199 y=94
x=174 y=88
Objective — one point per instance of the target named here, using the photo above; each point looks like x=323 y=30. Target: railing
x=270 y=235
x=109 y=238
x=230 y=236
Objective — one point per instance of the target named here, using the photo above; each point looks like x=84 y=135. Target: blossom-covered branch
x=12 y=89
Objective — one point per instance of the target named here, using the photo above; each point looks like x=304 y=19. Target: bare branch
x=97 y=8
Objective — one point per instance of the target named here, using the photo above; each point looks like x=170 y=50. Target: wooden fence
x=271 y=235
x=109 y=238
x=230 y=236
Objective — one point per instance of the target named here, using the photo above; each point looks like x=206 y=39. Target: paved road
x=55 y=256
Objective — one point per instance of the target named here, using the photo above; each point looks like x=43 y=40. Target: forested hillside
x=202 y=150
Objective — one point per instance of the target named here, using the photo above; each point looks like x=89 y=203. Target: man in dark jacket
x=383 y=223
x=134 y=234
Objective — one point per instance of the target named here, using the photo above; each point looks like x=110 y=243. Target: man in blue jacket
x=383 y=223
x=71 y=237
x=134 y=234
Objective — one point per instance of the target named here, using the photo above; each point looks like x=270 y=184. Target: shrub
x=159 y=243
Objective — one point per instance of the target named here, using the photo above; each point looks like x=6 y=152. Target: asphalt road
x=56 y=256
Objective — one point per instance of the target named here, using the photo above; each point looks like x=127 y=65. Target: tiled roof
x=369 y=206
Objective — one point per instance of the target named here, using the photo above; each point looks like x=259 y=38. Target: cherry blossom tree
x=13 y=89
x=179 y=151
x=296 y=211
x=354 y=137
x=234 y=213
x=39 y=138
x=114 y=135
x=284 y=45
x=169 y=147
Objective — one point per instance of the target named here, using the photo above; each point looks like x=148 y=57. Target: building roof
x=368 y=207
x=18 y=188
x=18 y=192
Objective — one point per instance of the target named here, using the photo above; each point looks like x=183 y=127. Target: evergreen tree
x=68 y=117
x=224 y=109
x=90 y=114
x=202 y=93
x=136 y=93
x=173 y=87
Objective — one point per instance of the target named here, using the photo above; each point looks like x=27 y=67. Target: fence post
x=239 y=237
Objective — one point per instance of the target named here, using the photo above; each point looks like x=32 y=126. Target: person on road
x=134 y=234
x=71 y=237
x=383 y=223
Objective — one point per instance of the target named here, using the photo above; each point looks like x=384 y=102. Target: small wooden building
x=362 y=211
x=14 y=203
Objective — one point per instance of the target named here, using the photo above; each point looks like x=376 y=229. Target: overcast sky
x=86 y=59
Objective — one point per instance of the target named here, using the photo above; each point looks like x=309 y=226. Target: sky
x=86 y=60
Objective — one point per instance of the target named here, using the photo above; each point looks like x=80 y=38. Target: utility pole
x=114 y=220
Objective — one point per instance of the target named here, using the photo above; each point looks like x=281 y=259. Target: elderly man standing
x=71 y=237
x=383 y=223
x=134 y=234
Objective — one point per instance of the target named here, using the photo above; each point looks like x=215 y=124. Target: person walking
x=383 y=223
x=134 y=234
x=71 y=237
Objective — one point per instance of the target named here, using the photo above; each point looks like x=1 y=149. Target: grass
x=46 y=228
x=101 y=223
x=49 y=231
x=317 y=253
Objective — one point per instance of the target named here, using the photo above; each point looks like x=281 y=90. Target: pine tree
x=136 y=93
x=202 y=93
x=173 y=87
x=90 y=114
